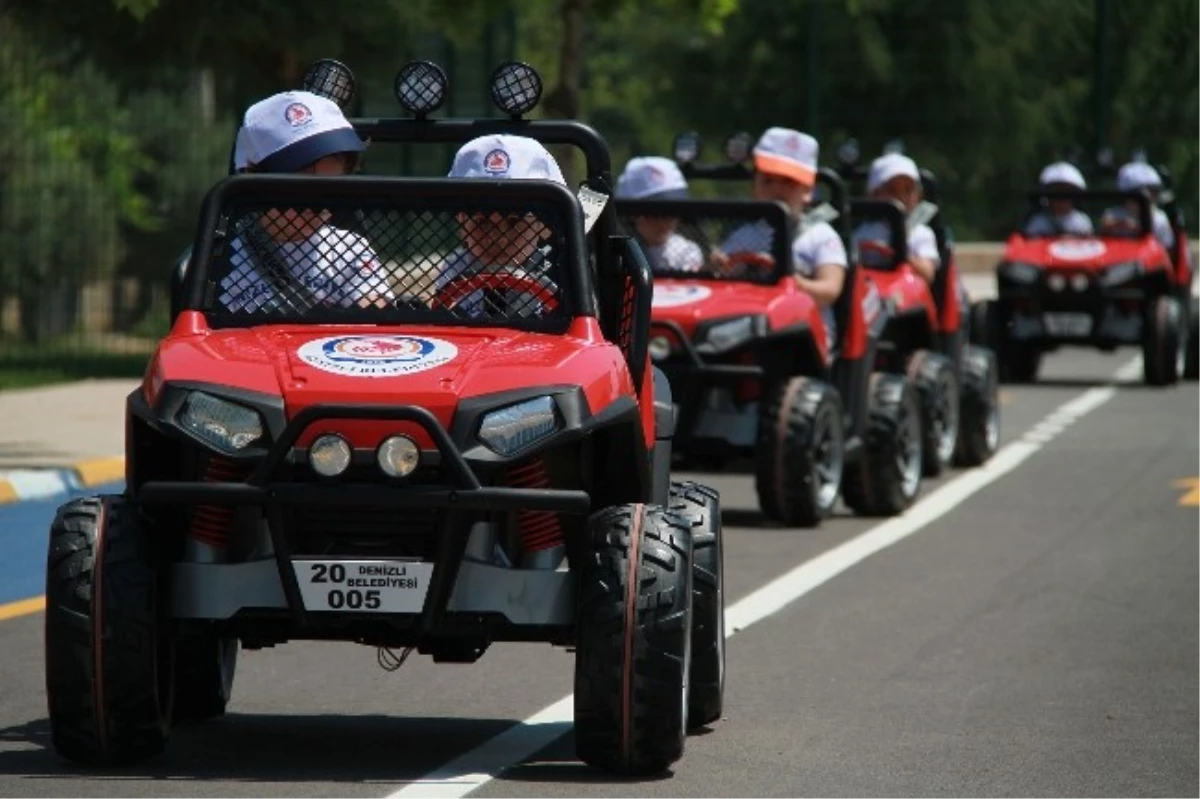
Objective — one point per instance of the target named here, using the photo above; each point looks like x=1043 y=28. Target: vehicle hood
x=688 y=303
x=1092 y=252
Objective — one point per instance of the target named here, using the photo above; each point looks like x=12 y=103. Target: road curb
x=21 y=485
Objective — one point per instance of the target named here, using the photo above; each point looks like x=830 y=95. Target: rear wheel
x=800 y=454
x=633 y=645
x=932 y=374
x=979 y=418
x=887 y=476
x=204 y=670
x=1161 y=363
x=109 y=663
x=1191 y=361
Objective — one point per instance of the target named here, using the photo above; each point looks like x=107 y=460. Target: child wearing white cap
x=1062 y=218
x=785 y=170
x=655 y=178
x=1134 y=176
x=292 y=259
x=896 y=177
x=499 y=241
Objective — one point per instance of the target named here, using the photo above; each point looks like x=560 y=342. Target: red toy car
x=753 y=374
x=1120 y=287
x=408 y=473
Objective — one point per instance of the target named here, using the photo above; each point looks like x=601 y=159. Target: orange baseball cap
x=787 y=153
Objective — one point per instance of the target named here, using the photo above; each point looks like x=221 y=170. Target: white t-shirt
x=1120 y=217
x=815 y=245
x=1074 y=223
x=676 y=254
x=332 y=267
x=922 y=243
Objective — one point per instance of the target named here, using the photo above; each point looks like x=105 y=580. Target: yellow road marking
x=1004 y=397
x=101 y=470
x=7 y=493
x=1192 y=496
x=22 y=608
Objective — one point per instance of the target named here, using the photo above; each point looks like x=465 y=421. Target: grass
x=28 y=369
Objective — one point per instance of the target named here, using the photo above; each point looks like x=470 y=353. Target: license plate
x=1067 y=324
x=368 y=586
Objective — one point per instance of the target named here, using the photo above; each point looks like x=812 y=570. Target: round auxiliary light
x=660 y=348
x=398 y=456
x=329 y=455
x=737 y=147
x=849 y=153
x=1079 y=281
x=516 y=88
x=686 y=147
x=420 y=87
x=330 y=79
x=1056 y=282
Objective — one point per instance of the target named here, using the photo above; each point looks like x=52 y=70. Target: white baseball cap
x=652 y=177
x=1138 y=175
x=788 y=153
x=1062 y=172
x=505 y=157
x=291 y=130
x=887 y=167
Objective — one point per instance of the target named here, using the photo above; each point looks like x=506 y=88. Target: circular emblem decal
x=297 y=114
x=496 y=162
x=376 y=356
x=671 y=295
x=1076 y=250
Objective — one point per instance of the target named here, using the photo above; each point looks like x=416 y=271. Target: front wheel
x=932 y=374
x=633 y=646
x=109 y=663
x=979 y=417
x=1161 y=362
x=204 y=669
x=887 y=477
x=799 y=460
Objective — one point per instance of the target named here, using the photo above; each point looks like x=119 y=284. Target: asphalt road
x=1028 y=629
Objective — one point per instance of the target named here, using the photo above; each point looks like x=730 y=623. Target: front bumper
x=463 y=598
x=1097 y=315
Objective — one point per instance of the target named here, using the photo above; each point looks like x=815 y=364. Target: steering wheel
x=729 y=264
x=452 y=294
x=872 y=252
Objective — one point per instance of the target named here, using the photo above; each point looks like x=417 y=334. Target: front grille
x=369 y=532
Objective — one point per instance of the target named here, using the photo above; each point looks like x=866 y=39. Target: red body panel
x=907 y=289
x=1085 y=254
x=487 y=360
x=690 y=302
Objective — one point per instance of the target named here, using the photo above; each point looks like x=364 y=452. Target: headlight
x=1079 y=281
x=511 y=429
x=660 y=348
x=1120 y=273
x=1019 y=272
x=725 y=336
x=1056 y=282
x=329 y=455
x=225 y=425
x=398 y=456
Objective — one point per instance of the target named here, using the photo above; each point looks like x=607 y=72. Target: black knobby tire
x=932 y=375
x=633 y=641
x=1020 y=362
x=706 y=682
x=204 y=670
x=108 y=661
x=887 y=477
x=984 y=330
x=1161 y=342
x=979 y=417
x=799 y=458
x=1191 y=360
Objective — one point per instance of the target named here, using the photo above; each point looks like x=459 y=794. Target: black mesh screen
x=331 y=79
x=356 y=261
x=746 y=242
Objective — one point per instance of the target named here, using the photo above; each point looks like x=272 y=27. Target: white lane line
x=475 y=768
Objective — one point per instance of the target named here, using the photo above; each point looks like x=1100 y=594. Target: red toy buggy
x=753 y=370
x=422 y=470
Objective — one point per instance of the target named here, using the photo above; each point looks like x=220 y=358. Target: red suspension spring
x=211 y=524
x=539 y=529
